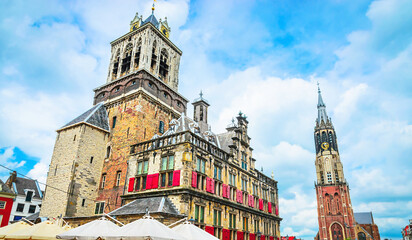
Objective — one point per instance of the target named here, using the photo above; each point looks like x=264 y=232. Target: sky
x=263 y=58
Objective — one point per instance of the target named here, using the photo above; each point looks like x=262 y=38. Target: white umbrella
x=190 y=231
x=143 y=229
x=90 y=231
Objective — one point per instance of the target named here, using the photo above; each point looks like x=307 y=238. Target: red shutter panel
x=260 y=204
x=149 y=182
x=252 y=236
x=155 y=180
x=277 y=210
x=210 y=230
x=271 y=238
x=194 y=179
x=212 y=185
x=224 y=190
x=131 y=184
x=239 y=235
x=225 y=234
x=228 y=191
x=208 y=184
x=176 y=178
x=269 y=207
x=262 y=237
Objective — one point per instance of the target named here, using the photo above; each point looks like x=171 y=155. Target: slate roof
x=4 y=188
x=152 y=204
x=152 y=19
x=363 y=217
x=33 y=217
x=225 y=139
x=96 y=116
x=23 y=183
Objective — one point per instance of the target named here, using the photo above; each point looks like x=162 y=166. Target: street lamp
x=258 y=235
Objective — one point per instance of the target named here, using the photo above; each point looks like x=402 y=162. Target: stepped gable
x=152 y=205
x=95 y=116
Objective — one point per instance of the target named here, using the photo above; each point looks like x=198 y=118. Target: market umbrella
x=190 y=231
x=40 y=231
x=143 y=229
x=90 y=231
x=9 y=229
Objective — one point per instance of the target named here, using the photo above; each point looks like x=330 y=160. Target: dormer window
x=29 y=196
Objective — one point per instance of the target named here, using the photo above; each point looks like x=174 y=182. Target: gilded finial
x=153 y=6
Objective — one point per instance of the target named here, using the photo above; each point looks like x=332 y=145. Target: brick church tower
x=335 y=214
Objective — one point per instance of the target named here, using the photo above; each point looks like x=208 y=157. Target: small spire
x=322 y=115
x=201 y=94
x=153 y=7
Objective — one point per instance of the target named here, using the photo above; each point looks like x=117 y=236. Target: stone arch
x=336 y=231
x=127 y=58
x=137 y=54
x=164 y=64
x=116 y=60
x=328 y=204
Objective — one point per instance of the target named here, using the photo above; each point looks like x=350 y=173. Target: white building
x=28 y=197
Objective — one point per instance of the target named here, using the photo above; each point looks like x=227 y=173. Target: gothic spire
x=322 y=116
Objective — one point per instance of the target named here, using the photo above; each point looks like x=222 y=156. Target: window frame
x=22 y=205
x=99 y=208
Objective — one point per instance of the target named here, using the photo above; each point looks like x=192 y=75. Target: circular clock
x=324 y=145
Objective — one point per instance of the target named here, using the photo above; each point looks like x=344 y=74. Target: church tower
x=200 y=109
x=335 y=214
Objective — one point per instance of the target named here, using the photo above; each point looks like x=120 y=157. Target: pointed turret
x=322 y=115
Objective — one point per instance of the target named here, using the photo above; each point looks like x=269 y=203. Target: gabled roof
x=4 y=188
x=225 y=140
x=21 y=184
x=96 y=116
x=363 y=217
x=152 y=204
x=152 y=19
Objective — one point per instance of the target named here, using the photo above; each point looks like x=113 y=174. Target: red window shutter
x=239 y=235
x=212 y=185
x=260 y=204
x=149 y=182
x=262 y=237
x=176 y=178
x=228 y=191
x=252 y=236
x=225 y=234
x=271 y=238
x=224 y=190
x=269 y=207
x=155 y=180
x=131 y=184
x=207 y=184
x=194 y=179
x=210 y=229
x=277 y=210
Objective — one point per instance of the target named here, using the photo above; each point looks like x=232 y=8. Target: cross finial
x=318 y=87
x=153 y=6
x=201 y=94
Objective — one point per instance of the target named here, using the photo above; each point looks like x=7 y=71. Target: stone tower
x=200 y=111
x=141 y=98
x=76 y=164
x=335 y=214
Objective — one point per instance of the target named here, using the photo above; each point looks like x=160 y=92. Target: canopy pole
x=32 y=223
x=107 y=215
x=175 y=223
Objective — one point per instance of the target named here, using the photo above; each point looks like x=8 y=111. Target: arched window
x=338 y=203
x=324 y=137
x=116 y=64
x=154 y=57
x=127 y=58
x=108 y=149
x=137 y=54
x=327 y=203
x=164 y=67
x=161 y=127
x=361 y=236
x=337 y=233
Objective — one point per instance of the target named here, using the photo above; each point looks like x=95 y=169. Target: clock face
x=164 y=31
x=324 y=145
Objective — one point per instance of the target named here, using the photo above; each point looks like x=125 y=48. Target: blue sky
x=261 y=57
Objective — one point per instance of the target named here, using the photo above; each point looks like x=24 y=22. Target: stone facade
x=75 y=168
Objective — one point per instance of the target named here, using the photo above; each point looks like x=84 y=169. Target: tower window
x=329 y=175
x=118 y=175
x=127 y=58
x=108 y=152
x=154 y=57
x=336 y=176
x=137 y=57
x=322 y=179
x=103 y=182
x=164 y=67
x=114 y=122
x=116 y=65
x=161 y=127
